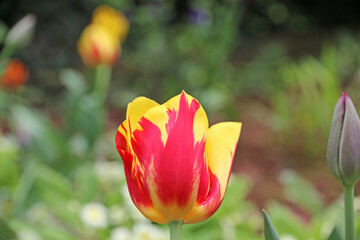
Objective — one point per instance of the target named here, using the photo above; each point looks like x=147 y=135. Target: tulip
x=343 y=152
x=14 y=75
x=343 y=155
x=177 y=168
x=97 y=46
x=112 y=20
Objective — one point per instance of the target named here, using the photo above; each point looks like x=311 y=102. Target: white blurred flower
x=120 y=233
x=78 y=145
x=109 y=171
x=8 y=145
x=125 y=193
x=287 y=237
x=117 y=215
x=148 y=231
x=94 y=215
x=134 y=212
x=38 y=212
x=27 y=234
x=227 y=225
x=356 y=203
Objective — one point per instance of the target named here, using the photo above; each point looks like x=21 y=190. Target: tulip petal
x=349 y=150
x=201 y=122
x=335 y=137
x=134 y=177
x=121 y=137
x=136 y=109
x=164 y=142
x=208 y=207
x=133 y=170
x=142 y=201
x=220 y=148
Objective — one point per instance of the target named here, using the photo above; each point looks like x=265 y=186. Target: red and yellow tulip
x=98 y=46
x=177 y=168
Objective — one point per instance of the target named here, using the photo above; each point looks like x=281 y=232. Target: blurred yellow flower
x=100 y=42
x=97 y=46
x=112 y=20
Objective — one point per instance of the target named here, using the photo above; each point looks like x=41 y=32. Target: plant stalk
x=349 y=212
x=6 y=52
x=102 y=82
x=175 y=230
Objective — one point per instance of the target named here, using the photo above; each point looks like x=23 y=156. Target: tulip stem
x=175 y=230
x=5 y=53
x=102 y=81
x=349 y=212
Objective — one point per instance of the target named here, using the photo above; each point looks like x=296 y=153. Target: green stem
x=4 y=55
x=102 y=81
x=175 y=230
x=7 y=51
x=349 y=212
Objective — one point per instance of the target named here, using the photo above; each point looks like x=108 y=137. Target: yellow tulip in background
x=96 y=46
x=112 y=20
x=177 y=168
x=99 y=45
x=100 y=42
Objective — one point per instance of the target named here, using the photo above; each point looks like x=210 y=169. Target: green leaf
x=54 y=189
x=269 y=231
x=335 y=235
x=3 y=31
x=73 y=80
x=287 y=222
x=301 y=192
x=51 y=180
x=9 y=167
x=5 y=231
x=85 y=183
x=237 y=190
x=24 y=185
x=41 y=137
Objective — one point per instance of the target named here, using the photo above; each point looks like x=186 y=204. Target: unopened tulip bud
x=22 y=32
x=343 y=152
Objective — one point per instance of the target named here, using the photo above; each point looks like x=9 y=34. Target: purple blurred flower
x=198 y=16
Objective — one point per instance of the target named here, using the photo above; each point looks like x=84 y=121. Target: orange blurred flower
x=15 y=74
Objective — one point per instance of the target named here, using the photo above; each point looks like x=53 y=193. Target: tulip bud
x=343 y=152
x=22 y=32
